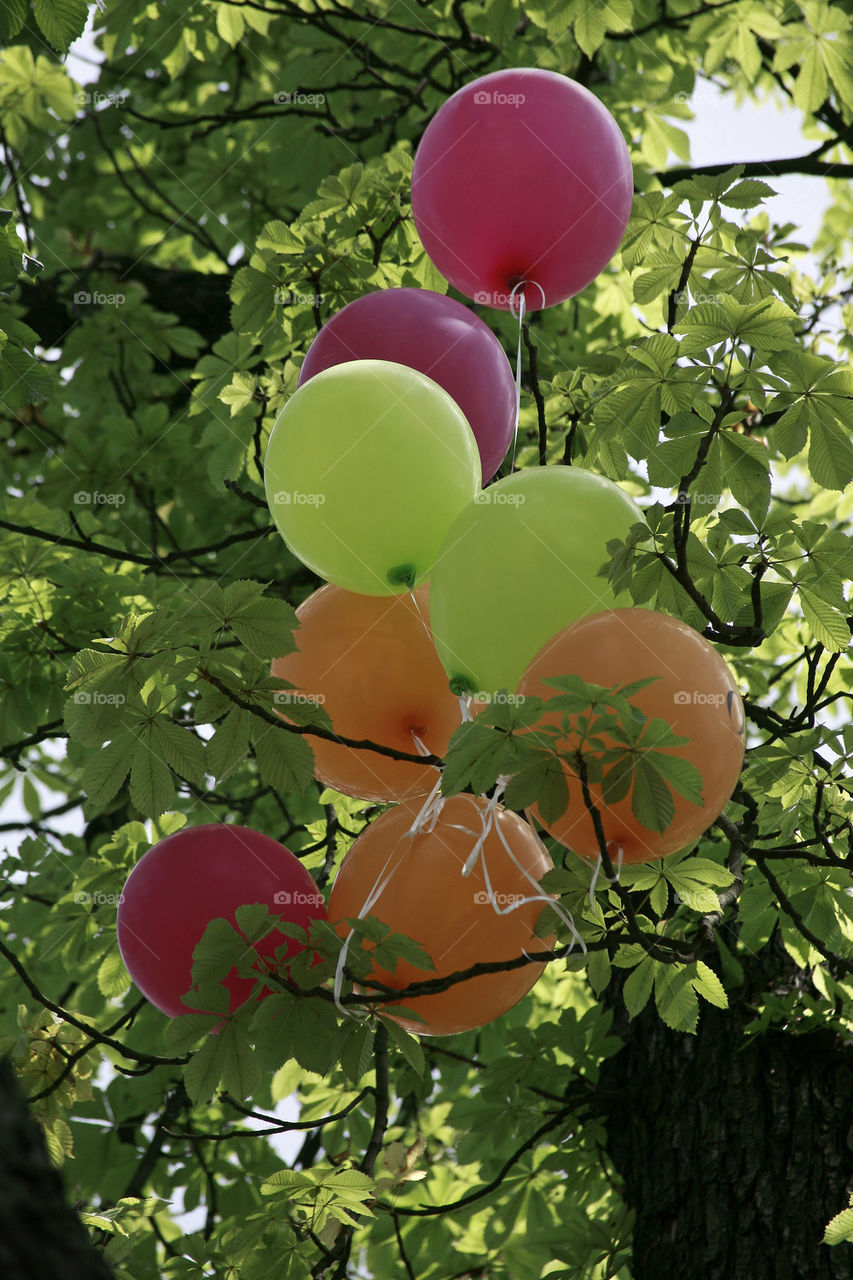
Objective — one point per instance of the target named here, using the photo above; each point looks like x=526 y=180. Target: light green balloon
x=367 y=466
x=519 y=565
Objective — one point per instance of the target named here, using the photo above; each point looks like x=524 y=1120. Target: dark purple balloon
x=438 y=337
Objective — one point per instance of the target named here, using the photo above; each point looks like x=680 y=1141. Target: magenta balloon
x=522 y=175
x=197 y=875
x=438 y=337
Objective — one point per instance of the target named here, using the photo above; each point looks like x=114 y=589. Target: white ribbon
x=522 y=306
x=620 y=853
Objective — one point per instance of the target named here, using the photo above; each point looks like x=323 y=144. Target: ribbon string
x=522 y=307
x=620 y=853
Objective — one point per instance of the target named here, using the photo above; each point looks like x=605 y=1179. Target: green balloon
x=367 y=466
x=520 y=564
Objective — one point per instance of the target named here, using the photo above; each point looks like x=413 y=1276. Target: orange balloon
x=369 y=661
x=451 y=916
x=695 y=693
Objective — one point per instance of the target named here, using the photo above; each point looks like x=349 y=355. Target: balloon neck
x=403 y=576
x=461 y=685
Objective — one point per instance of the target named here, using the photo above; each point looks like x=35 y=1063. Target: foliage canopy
x=173 y=234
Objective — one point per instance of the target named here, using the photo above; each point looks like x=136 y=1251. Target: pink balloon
x=522 y=175
x=438 y=337
x=197 y=875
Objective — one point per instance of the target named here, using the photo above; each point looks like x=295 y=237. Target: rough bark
x=735 y=1151
x=41 y=1237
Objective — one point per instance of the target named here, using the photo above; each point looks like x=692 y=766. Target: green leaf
x=113 y=978
x=651 y=799
x=204 y=1070
x=264 y=626
x=476 y=756
x=285 y=760
x=230 y=24
x=408 y=1045
x=746 y=194
x=152 y=789
x=707 y=984
x=280 y=238
x=181 y=749
x=830 y=452
x=183 y=1033
x=229 y=746
x=305 y=1029
x=598 y=971
x=638 y=986
x=12 y=18
x=543 y=782
x=241 y=1066
x=675 y=998
x=61 y=21
x=681 y=774
x=826 y=624
x=217 y=952
x=840 y=1228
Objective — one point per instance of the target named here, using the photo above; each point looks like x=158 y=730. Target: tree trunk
x=41 y=1238
x=735 y=1151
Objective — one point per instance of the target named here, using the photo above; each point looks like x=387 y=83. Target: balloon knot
x=403 y=575
x=462 y=685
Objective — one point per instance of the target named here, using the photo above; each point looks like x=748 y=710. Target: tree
x=673 y=1099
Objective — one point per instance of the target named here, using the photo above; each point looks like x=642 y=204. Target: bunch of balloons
x=442 y=585
x=440 y=589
